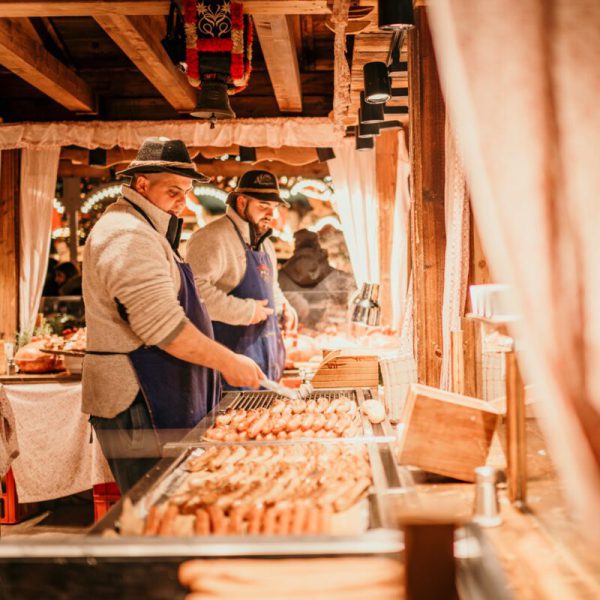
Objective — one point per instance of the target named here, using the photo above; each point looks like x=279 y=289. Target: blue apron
x=178 y=393
x=262 y=342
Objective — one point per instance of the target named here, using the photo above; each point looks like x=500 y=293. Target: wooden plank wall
x=9 y=242
x=428 y=244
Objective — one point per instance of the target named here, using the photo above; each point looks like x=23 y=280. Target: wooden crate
x=347 y=371
x=444 y=433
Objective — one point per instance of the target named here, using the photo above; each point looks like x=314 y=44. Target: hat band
x=161 y=163
x=257 y=190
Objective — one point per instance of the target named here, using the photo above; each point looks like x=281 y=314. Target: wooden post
x=430 y=566
x=473 y=357
x=10 y=174
x=428 y=234
x=386 y=149
x=516 y=435
x=72 y=200
x=478 y=273
x=457 y=353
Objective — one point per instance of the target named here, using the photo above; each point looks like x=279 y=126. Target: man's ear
x=240 y=204
x=140 y=184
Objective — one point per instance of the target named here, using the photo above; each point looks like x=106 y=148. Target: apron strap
x=102 y=353
x=239 y=234
x=177 y=235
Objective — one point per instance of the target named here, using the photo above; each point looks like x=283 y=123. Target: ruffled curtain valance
x=273 y=133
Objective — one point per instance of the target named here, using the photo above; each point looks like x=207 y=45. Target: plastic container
x=11 y=511
x=105 y=496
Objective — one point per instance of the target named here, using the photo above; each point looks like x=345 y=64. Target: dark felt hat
x=260 y=185
x=162 y=155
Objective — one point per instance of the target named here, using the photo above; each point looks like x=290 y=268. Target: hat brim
x=183 y=172
x=262 y=196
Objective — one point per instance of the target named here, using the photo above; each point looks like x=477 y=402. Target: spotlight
x=247 y=154
x=377 y=83
x=395 y=14
x=325 y=154
x=366 y=129
x=363 y=144
x=371 y=113
x=97 y=157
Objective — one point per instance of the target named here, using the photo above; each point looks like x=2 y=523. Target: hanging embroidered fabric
x=218 y=43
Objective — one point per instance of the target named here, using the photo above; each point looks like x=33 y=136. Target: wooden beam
x=428 y=235
x=229 y=168
x=386 y=152
x=95 y=8
x=276 y=37
x=140 y=39
x=10 y=171
x=28 y=59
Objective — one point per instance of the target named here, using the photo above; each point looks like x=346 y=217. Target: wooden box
x=446 y=433
x=340 y=370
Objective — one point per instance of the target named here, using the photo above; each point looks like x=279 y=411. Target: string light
x=110 y=191
x=59 y=207
x=312 y=188
x=211 y=191
x=329 y=220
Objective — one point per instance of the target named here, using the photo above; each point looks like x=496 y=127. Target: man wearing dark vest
x=151 y=367
x=235 y=269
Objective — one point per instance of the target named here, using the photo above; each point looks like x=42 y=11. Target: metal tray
x=388 y=478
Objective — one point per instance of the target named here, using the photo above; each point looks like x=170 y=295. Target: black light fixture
x=396 y=110
x=247 y=154
x=366 y=129
x=371 y=113
x=396 y=68
x=97 y=157
x=377 y=83
x=213 y=102
x=325 y=154
x=363 y=143
x=395 y=14
x=390 y=125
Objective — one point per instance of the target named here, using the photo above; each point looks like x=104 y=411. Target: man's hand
x=290 y=319
x=261 y=312
x=242 y=371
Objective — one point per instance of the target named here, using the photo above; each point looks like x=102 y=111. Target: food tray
x=378 y=533
x=349 y=419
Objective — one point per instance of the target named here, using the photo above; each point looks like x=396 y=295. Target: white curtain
x=456 y=267
x=355 y=199
x=522 y=82
x=39 y=169
x=273 y=133
x=399 y=272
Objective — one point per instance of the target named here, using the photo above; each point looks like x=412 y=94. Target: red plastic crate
x=105 y=495
x=11 y=511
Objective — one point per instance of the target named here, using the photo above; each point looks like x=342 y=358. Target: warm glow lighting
x=213 y=192
x=110 y=191
x=329 y=220
x=312 y=188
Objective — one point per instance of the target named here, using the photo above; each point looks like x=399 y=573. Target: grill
x=248 y=400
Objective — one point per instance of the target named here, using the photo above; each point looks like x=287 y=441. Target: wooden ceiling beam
x=276 y=37
x=28 y=59
x=95 y=8
x=140 y=39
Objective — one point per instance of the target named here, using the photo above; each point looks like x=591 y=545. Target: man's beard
x=260 y=227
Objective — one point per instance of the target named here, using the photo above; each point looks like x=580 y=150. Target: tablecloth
x=56 y=456
x=9 y=448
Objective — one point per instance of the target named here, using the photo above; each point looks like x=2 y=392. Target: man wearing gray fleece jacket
x=150 y=371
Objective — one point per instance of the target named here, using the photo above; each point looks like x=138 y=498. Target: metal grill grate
x=248 y=400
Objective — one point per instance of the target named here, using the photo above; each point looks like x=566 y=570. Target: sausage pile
x=287 y=490
x=285 y=419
